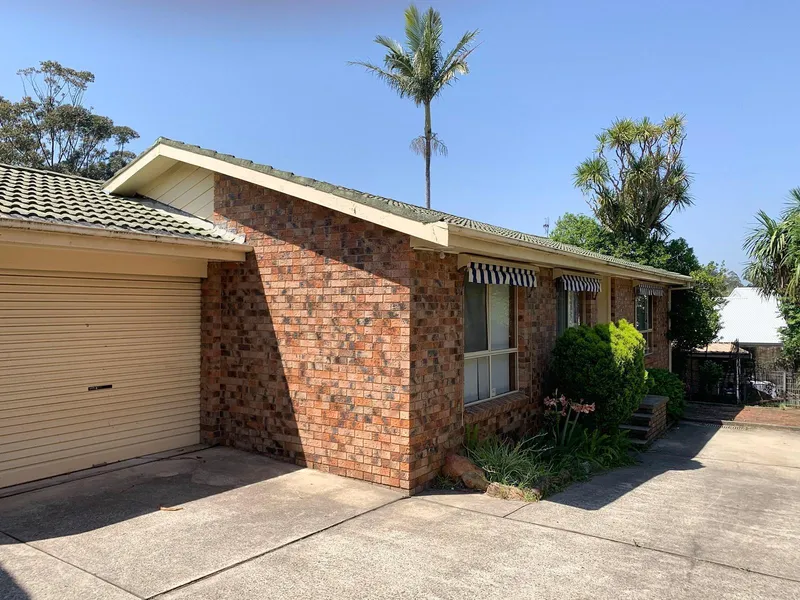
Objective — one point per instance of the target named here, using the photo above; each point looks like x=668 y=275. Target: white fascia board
x=434 y=233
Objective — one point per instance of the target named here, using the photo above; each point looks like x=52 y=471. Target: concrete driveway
x=709 y=513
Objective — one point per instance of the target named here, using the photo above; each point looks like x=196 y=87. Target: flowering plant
x=561 y=408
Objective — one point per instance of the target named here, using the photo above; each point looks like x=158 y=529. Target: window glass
x=503 y=373
x=500 y=306
x=475 y=317
x=573 y=309
x=476 y=379
x=643 y=313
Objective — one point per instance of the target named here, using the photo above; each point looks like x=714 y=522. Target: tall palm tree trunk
x=428 y=136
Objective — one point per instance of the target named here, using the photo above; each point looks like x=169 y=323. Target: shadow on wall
x=9 y=588
x=255 y=408
x=308 y=336
x=675 y=452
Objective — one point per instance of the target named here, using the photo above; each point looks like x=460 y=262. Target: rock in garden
x=461 y=468
x=475 y=481
x=506 y=492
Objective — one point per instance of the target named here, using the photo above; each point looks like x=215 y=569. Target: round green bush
x=660 y=382
x=603 y=365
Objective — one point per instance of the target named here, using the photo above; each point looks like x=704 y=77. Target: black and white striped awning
x=645 y=289
x=579 y=283
x=499 y=274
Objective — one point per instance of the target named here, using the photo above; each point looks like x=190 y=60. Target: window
x=490 y=341
x=569 y=306
x=644 y=320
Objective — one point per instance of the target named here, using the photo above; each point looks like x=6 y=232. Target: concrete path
x=709 y=513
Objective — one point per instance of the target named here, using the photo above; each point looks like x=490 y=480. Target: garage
x=100 y=324
x=95 y=369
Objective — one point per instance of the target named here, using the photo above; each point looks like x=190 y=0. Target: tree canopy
x=51 y=128
x=774 y=250
x=421 y=70
x=695 y=319
x=637 y=177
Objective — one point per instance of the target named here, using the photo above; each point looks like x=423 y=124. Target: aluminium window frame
x=489 y=352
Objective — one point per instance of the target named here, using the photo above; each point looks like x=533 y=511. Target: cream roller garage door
x=95 y=369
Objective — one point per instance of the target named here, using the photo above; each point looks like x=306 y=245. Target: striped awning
x=499 y=274
x=645 y=289
x=579 y=283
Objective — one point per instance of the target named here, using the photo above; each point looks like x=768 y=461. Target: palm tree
x=774 y=249
x=421 y=70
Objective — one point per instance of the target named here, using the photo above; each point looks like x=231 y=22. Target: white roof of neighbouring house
x=751 y=318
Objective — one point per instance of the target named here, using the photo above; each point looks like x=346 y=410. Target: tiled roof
x=419 y=213
x=44 y=196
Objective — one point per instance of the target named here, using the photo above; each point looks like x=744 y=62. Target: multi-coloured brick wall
x=306 y=346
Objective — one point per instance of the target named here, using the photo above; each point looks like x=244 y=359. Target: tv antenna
x=547 y=227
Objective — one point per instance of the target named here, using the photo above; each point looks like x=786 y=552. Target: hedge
x=660 y=382
x=603 y=365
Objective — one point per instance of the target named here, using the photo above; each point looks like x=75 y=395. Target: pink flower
x=548 y=401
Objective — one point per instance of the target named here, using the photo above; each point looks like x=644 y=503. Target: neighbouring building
x=198 y=297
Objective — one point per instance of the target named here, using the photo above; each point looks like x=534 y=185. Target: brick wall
x=623 y=307
x=622 y=301
x=306 y=345
x=659 y=357
x=437 y=362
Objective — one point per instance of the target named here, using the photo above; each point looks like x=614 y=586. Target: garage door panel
x=93 y=451
x=39 y=412
x=67 y=348
x=101 y=360
x=142 y=388
x=61 y=336
x=90 y=423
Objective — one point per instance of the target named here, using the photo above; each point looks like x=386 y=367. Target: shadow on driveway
x=677 y=454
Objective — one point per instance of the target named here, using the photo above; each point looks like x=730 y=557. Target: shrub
x=603 y=365
x=660 y=382
x=520 y=464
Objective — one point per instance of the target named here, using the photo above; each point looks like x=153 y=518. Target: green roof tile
x=44 y=196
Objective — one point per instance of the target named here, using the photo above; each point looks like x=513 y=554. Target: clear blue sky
x=268 y=81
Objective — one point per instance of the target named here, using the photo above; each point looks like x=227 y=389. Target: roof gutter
x=608 y=266
x=83 y=237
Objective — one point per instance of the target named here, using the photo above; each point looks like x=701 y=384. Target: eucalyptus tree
x=637 y=177
x=421 y=70
x=50 y=127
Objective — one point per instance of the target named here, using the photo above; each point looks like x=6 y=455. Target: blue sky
x=269 y=81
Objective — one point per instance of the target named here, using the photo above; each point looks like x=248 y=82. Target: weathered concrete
x=29 y=574
x=233 y=505
x=730 y=504
x=708 y=513
x=418 y=549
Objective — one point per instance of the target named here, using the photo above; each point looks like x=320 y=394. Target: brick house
x=359 y=335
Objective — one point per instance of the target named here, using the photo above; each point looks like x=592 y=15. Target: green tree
x=51 y=128
x=774 y=250
x=421 y=71
x=695 y=319
x=637 y=177
x=774 y=267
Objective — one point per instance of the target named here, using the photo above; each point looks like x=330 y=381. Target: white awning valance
x=646 y=289
x=579 y=283
x=499 y=274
